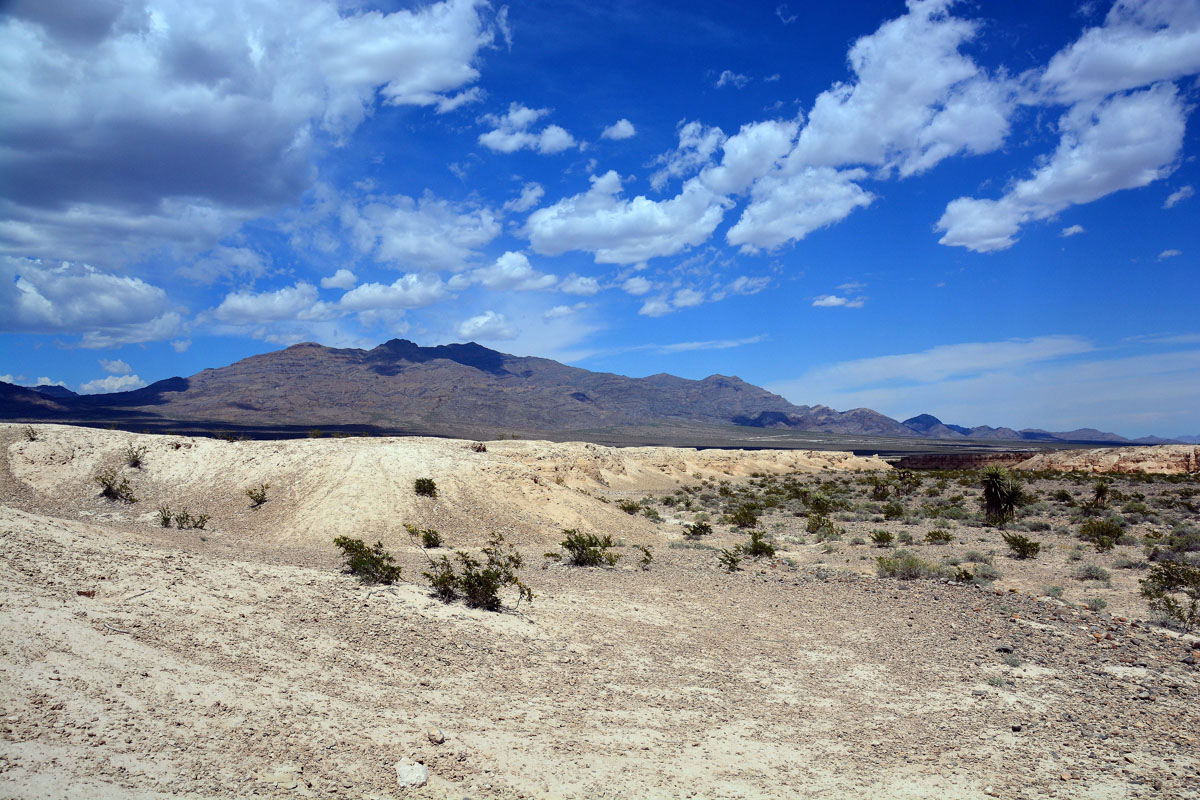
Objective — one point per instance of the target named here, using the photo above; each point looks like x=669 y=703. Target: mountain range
x=470 y=390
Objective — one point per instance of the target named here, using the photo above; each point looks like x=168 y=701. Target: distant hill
x=469 y=390
x=930 y=426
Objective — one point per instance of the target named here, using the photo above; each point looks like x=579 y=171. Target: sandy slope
x=1163 y=459
x=237 y=661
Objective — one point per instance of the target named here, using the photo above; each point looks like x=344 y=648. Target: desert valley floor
x=238 y=660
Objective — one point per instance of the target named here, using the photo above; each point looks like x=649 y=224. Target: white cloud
x=424 y=234
x=697 y=145
x=785 y=207
x=558 y=312
x=1140 y=43
x=731 y=78
x=408 y=291
x=1178 y=196
x=741 y=285
x=115 y=366
x=655 y=308
x=621 y=129
x=711 y=344
x=624 y=231
x=836 y=301
x=466 y=97
x=488 y=326
x=113 y=383
x=342 y=279
x=637 y=286
x=249 y=308
x=580 y=285
x=749 y=154
x=226 y=262
x=1073 y=230
x=512 y=271
x=181 y=345
x=66 y=298
x=786 y=18
x=228 y=101
x=687 y=298
x=1105 y=147
x=8 y=378
x=1169 y=254
x=531 y=195
x=511 y=132
x=48 y=382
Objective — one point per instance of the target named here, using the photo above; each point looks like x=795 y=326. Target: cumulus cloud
x=488 y=326
x=731 y=78
x=531 y=194
x=697 y=145
x=1105 y=147
x=68 y=298
x=135 y=125
x=511 y=133
x=637 y=286
x=512 y=271
x=115 y=366
x=623 y=231
x=413 y=290
x=787 y=206
x=1178 y=196
x=836 y=301
x=687 y=298
x=1169 y=254
x=580 y=285
x=226 y=262
x=558 y=312
x=113 y=383
x=342 y=279
x=1073 y=230
x=655 y=308
x=425 y=233
x=621 y=129
x=287 y=303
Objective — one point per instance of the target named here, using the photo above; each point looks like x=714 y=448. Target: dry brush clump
x=478 y=582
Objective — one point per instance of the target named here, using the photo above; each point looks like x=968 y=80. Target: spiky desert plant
x=1002 y=493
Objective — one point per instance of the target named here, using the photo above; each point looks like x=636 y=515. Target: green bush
x=479 y=582
x=429 y=538
x=939 y=536
x=1022 y=546
x=731 y=559
x=647 y=556
x=697 y=529
x=133 y=455
x=744 y=516
x=1093 y=572
x=258 y=494
x=165 y=516
x=758 y=547
x=113 y=486
x=985 y=574
x=629 y=506
x=368 y=564
x=1095 y=604
x=1172 y=590
x=882 y=538
x=893 y=510
x=823 y=528
x=1101 y=533
x=588 y=549
x=425 y=487
x=907 y=566
x=1002 y=493
x=31 y=434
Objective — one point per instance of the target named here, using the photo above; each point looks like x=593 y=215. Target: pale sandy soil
x=238 y=661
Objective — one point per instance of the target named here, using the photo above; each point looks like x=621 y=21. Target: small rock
x=1004 y=648
x=410 y=775
x=1016 y=728
x=434 y=734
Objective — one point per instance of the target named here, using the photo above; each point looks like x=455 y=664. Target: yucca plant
x=1002 y=493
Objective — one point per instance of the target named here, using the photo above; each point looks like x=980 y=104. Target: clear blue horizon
x=982 y=212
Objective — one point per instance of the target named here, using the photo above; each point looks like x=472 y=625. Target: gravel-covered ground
x=239 y=661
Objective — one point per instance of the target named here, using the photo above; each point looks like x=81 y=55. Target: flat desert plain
x=239 y=660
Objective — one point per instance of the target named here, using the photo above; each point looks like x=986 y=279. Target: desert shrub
x=758 y=547
x=1095 y=604
x=1176 y=545
x=985 y=574
x=858 y=540
x=651 y=514
x=133 y=455
x=879 y=489
x=1101 y=533
x=744 y=516
x=1037 y=525
x=647 y=556
x=818 y=504
x=165 y=515
x=906 y=566
x=588 y=549
x=939 y=536
x=977 y=557
x=1100 y=493
x=1022 y=546
x=823 y=528
x=368 y=564
x=425 y=487
x=697 y=529
x=882 y=538
x=479 y=582
x=113 y=486
x=731 y=559
x=1063 y=496
x=1093 y=572
x=1053 y=591
x=258 y=494
x=30 y=433
x=1172 y=590
x=1002 y=493
x=905 y=538
x=429 y=538
x=893 y=510
x=629 y=506
x=184 y=520
x=478 y=447
x=1130 y=563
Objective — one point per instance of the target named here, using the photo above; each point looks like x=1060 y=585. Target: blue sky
x=982 y=211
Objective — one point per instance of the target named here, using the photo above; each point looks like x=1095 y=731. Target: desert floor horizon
x=234 y=656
